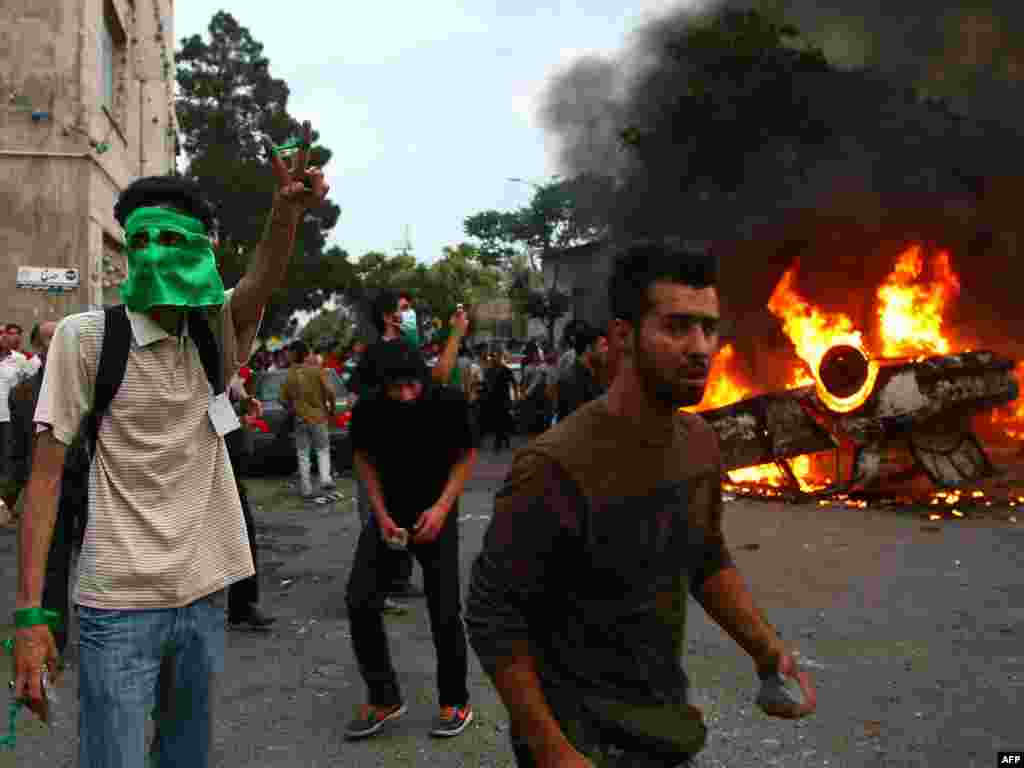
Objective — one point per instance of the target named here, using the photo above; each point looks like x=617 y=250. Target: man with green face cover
x=166 y=534
x=170 y=262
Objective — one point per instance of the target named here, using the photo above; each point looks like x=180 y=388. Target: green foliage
x=329 y=328
x=562 y=214
x=490 y=229
x=458 y=277
x=228 y=106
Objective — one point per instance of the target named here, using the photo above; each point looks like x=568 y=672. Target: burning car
x=853 y=410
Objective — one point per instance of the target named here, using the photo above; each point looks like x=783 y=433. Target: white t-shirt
x=14 y=369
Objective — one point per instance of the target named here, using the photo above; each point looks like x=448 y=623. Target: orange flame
x=1011 y=417
x=724 y=385
x=910 y=312
x=810 y=330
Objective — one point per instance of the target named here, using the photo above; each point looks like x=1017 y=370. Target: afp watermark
x=1011 y=758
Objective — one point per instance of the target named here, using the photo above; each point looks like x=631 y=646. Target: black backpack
x=117 y=336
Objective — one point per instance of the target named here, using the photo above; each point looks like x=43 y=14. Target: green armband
x=31 y=617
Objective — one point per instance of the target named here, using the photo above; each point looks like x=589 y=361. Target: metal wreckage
x=866 y=407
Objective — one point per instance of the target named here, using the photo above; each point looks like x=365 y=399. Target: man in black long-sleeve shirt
x=577 y=602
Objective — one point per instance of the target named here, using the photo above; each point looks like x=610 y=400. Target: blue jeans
x=120 y=654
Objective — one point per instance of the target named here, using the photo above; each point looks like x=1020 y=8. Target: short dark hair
x=13 y=327
x=178 y=191
x=405 y=295
x=641 y=264
x=585 y=337
x=385 y=303
x=300 y=348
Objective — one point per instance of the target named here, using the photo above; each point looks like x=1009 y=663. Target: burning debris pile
x=860 y=418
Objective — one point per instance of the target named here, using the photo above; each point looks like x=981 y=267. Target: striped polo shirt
x=165 y=521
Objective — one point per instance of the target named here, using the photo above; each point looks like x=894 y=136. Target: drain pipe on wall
x=35 y=153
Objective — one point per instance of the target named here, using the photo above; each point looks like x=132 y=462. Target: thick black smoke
x=891 y=165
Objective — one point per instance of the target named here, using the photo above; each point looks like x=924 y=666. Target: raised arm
x=442 y=372
x=298 y=189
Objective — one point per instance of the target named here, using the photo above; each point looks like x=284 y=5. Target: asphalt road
x=914 y=633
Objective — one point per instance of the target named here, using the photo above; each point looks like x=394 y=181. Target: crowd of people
x=576 y=607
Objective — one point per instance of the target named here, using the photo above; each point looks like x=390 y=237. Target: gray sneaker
x=371 y=719
x=328 y=486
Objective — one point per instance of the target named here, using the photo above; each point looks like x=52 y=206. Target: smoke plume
x=891 y=165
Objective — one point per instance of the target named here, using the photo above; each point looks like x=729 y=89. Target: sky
x=429 y=107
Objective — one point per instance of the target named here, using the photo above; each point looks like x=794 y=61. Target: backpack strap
x=199 y=330
x=117 y=341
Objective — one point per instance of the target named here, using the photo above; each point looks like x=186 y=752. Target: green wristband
x=31 y=617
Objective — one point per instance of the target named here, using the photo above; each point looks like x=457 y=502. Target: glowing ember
x=910 y=312
x=1011 y=418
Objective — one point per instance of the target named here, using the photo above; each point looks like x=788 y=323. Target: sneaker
x=254 y=620
x=371 y=719
x=452 y=721
x=328 y=486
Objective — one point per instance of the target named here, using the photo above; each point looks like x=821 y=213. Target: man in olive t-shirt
x=308 y=395
x=577 y=602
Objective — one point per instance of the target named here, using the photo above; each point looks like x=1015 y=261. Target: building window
x=107 y=64
x=113 y=49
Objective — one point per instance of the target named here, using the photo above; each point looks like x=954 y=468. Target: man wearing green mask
x=166 y=534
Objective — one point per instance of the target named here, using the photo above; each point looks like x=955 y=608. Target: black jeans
x=372 y=573
x=244 y=594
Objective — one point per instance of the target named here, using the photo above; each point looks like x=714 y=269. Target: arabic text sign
x=53 y=279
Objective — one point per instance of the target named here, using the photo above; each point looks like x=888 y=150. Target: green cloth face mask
x=170 y=262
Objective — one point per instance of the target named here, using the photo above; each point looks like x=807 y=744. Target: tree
x=228 y=107
x=458 y=277
x=329 y=328
x=561 y=215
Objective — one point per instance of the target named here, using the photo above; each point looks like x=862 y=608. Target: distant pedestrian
x=534 y=407
x=14 y=368
x=583 y=381
x=310 y=399
x=418 y=514
x=21 y=404
x=500 y=388
x=577 y=604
